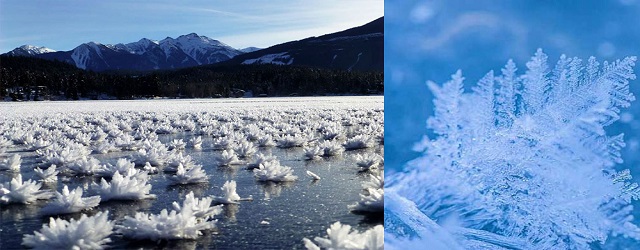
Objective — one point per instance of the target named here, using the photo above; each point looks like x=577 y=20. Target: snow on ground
x=17 y=109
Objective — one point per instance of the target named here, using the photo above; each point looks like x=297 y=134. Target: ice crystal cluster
x=70 y=202
x=341 y=236
x=86 y=233
x=17 y=191
x=184 y=222
x=372 y=195
x=523 y=162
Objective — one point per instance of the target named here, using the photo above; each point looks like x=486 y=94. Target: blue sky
x=64 y=24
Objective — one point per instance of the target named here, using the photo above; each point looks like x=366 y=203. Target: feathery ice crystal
x=359 y=142
x=186 y=222
x=372 y=196
x=70 y=202
x=273 y=171
x=17 y=191
x=259 y=159
x=11 y=163
x=245 y=149
x=86 y=233
x=227 y=157
x=313 y=153
x=331 y=148
x=201 y=208
x=48 y=175
x=131 y=186
x=230 y=195
x=195 y=143
x=340 y=236
x=524 y=159
x=193 y=174
x=368 y=161
x=290 y=141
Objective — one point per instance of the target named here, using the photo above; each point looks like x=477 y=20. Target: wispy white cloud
x=222 y=12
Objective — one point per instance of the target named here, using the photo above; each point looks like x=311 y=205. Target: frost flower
x=367 y=161
x=182 y=224
x=230 y=195
x=193 y=174
x=313 y=153
x=259 y=159
x=273 y=171
x=70 y=202
x=125 y=187
x=86 y=233
x=201 y=208
x=227 y=157
x=359 y=142
x=48 y=175
x=11 y=163
x=289 y=141
x=340 y=236
x=26 y=192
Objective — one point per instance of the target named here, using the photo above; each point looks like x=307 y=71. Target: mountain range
x=359 y=48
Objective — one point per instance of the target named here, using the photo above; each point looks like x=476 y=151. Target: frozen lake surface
x=280 y=215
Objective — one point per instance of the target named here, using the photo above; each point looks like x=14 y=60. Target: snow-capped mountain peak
x=35 y=50
x=139 y=47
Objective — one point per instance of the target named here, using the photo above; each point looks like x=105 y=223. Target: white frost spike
x=48 y=175
x=124 y=188
x=86 y=233
x=104 y=148
x=37 y=144
x=88 y=166
x=312 y=175
x=221 y=143
x=155 y=156
x=230 y=195
x=331 y=148
x=371 y=200
x=122 y=166
x=291 y=141
x=182 y=224
x=12 y=163
x=178 y=159
x=265 y=141
x=368 y=161
x=177 y=144
x=273 y=171
x=245 y=149
x=195 y=142
x=340 y=236
x=359 y=142
x=201 y=208
x=228 y=157
x=192 y=175
x=313 y=153
x=259 y=159
x=150 y=169
x=26 y=192
x=70 y=202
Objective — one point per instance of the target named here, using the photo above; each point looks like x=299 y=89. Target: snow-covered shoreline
x=10 y=109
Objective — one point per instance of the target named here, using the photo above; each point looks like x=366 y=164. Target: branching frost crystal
x=525 y=157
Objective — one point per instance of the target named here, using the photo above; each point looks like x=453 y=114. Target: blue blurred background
x=430 y=40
